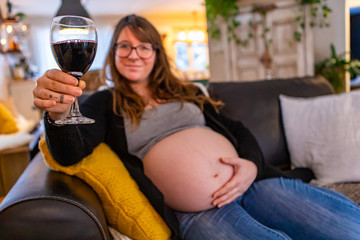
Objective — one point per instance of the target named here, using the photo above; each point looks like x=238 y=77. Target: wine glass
x=73 y=42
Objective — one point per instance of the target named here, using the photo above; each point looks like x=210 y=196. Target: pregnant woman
x=201 y=171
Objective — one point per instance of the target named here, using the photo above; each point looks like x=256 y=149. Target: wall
x=168 y=24
x=335 y=34
x=4 y=76
x=338 y=33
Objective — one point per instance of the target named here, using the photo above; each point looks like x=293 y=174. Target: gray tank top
x=160 y=122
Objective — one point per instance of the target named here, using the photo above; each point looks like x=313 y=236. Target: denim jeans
x=277 y=208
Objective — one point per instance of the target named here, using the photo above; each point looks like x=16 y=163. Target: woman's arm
x=247 y=167
x=247 y=145
x=243 y=140
x=68 y=144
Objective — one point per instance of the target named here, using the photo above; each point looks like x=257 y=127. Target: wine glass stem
x=74 y=109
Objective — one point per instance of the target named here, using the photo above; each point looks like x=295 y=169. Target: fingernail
x=78 y=91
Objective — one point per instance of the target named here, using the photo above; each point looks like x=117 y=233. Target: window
x=182 y=56
x=192 y=59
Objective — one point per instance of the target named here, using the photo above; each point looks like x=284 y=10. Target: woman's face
x=133 y=68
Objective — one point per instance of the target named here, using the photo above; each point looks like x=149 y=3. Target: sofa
x=44 y=204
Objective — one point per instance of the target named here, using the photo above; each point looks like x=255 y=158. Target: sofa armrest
x=44 y=204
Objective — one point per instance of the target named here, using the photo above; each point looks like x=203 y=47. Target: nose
x=133 y=54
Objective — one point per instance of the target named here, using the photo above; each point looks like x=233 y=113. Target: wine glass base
x=75 y=120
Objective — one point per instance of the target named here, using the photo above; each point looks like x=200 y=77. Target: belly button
x=216 y=175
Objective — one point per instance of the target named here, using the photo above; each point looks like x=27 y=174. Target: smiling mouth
x=133 y=66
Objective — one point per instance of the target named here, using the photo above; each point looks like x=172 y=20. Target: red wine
x=74 y=55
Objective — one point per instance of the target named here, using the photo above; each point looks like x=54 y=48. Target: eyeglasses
x=123 y=50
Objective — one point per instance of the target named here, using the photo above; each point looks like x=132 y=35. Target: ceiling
x=109 y=7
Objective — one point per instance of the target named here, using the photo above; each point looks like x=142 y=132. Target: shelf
x=17 y=52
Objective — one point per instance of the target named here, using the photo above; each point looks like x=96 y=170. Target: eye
x=123 y=46
x=145 y=47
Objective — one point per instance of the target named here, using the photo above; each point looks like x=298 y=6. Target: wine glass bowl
x=73 y=42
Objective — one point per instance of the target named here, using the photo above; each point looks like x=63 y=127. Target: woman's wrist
x=57 y=116
x=48 y=119
x=51 y=118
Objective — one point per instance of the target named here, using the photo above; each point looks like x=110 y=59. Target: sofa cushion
x=256 y=104
x=323 y=134
x=125 y=207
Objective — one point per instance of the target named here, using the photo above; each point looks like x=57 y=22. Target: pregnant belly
x=185 y=166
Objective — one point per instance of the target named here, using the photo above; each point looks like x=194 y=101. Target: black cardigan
x=68 y=144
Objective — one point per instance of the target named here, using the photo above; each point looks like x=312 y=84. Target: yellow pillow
x=10 y=105
x=125 y=206
x=7 y=121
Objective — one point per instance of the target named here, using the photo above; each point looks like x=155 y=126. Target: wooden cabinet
x=12 y=163
x=289 y=58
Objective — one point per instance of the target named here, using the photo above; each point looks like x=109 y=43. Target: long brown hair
x=163 y=84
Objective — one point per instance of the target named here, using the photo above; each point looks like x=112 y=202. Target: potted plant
x=335 y=67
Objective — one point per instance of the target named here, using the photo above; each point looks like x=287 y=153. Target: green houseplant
x=228 y=10
x=319 y=13
x=335 y=67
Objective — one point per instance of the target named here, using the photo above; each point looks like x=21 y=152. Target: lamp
x=72 y=7
x=12 y=30
x=190 y=35
x=9 y=39
x=196 y=35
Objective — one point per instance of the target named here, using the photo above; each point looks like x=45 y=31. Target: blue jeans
x=277 y=208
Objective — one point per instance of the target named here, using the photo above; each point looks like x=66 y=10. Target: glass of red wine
x=73 y=42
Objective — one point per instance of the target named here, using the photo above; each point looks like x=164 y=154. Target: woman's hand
x=244 y=175
x=55 y=91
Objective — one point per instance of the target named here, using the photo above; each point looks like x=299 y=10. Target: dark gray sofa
x=48 y=205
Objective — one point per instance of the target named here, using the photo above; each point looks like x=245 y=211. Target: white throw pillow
x=14 y=140
x=323 y=134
